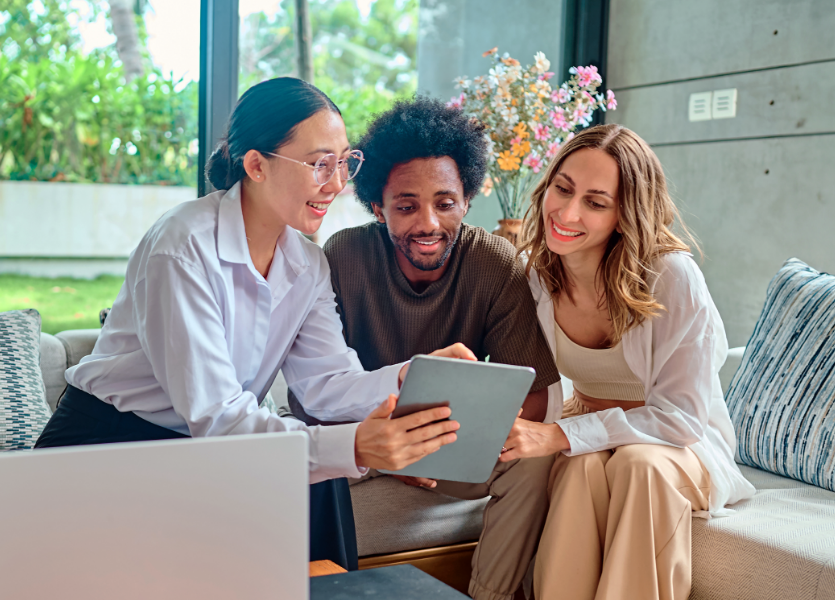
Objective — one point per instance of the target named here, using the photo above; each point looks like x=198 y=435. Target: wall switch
x=699 y=106
x=724 y=104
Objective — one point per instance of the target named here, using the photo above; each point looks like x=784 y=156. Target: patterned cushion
x=782 y=398
x=23 y=408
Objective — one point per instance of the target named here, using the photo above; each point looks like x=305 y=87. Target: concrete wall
x=454 y=34
x=756 y=189
x=75 y=229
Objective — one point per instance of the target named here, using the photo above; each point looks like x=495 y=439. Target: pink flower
x=547 y=75
x=558 y=119
x=456 y=101
x=541 y=131
x=516 y=141
x=570 y=137
x=611 y=103
x=552 y=150
x=582 y=115
x=587 y=76
x=560 y=96
x=533 y=161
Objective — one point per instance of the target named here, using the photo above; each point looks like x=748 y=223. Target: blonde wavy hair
x=647 y=218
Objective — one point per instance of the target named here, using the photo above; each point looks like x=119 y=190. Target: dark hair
x=264 y=119
x=420 y=128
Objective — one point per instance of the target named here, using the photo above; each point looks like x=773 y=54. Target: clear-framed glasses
x=325 y=167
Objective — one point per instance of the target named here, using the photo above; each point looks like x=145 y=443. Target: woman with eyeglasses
x=223 y=292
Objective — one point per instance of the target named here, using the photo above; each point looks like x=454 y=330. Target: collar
x=231 y=234
x=291 y=245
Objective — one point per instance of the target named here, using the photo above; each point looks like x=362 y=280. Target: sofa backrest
x=64 y=350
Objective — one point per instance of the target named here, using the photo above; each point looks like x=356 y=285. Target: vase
x=509 y=229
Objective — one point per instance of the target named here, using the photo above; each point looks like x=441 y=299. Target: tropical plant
x=362 y=63
x=66 y=116
x=527 y=120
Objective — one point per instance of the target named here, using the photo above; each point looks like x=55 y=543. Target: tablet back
x=485 y=399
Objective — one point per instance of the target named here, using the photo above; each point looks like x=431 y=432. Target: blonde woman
x=646 y=438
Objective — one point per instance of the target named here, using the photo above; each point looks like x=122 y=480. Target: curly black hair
x=420 y=128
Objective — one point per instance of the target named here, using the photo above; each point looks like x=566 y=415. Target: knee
x=533 y=472
x=635 y=459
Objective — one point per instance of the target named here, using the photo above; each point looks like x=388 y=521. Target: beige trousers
x=619 y=523
x=512 y=523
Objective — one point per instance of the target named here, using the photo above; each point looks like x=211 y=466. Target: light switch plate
x=699 y=106
x=724 y=104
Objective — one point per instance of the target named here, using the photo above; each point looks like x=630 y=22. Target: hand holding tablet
x=485 y=399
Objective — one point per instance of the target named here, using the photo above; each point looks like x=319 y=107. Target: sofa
x=778 y=545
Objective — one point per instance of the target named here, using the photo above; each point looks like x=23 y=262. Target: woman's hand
x=458 y=350
x=528 y=439
x=392 y=444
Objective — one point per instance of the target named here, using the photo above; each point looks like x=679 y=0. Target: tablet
x=485 y=399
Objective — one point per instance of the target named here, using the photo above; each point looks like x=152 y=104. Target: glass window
x=364 y=57
x=98 y=138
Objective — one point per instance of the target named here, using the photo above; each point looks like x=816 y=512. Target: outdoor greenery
x=66 y=116
x=64 y=303
x=70 y=116
x=362 y=63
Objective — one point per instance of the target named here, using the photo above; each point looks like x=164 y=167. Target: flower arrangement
x=527 y=120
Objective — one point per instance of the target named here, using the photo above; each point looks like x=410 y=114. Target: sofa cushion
x=53 y=365
x=23 y=408
x=782 y=398
x=391 y=517
x=778 y=544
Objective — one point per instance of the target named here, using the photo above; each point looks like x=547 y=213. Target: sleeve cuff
x=585 y=433
x=555 y=402
x=336 y=453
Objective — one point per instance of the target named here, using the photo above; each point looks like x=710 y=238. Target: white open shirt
x=677 y=355
x=196 y=337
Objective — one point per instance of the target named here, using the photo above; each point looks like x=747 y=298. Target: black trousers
x=82 y=419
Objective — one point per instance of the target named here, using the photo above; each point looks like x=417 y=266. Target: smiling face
x=580 y=209
x=423 y=208
x=287 y=189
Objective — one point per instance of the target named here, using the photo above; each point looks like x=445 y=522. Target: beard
x=426 y=263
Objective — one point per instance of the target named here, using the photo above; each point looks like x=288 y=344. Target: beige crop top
x=601 y=374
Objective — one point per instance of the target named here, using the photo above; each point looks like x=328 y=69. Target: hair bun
x=219 y=167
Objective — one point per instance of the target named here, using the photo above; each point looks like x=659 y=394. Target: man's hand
x=458 y=350
x=417 y=481
x=392 y=444
x=528 y=439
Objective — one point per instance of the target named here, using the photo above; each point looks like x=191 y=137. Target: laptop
x=205 y=518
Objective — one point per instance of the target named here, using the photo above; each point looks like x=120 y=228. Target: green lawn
x=64 y=303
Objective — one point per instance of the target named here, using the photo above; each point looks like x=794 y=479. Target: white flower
x=542 y=63
x=463 y=83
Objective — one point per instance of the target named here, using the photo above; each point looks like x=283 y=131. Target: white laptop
x=205 y=518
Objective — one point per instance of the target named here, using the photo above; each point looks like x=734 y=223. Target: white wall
x=78 y=220
x=756 y=189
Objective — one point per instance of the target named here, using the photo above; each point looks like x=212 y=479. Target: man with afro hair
x=418 y=278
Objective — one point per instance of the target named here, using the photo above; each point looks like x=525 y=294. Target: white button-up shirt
x=196 y=337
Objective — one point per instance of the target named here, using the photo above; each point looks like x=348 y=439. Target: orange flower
x=508 y=162
x=487 y=188
x=520 y=149
x=521 y=130
x=491 y=51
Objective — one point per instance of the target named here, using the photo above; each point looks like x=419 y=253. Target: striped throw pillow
x=782 y=398
x=23 y=408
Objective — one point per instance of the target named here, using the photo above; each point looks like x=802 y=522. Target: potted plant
x=527 y=122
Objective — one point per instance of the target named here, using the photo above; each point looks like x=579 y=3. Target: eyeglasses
x=325 y=167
